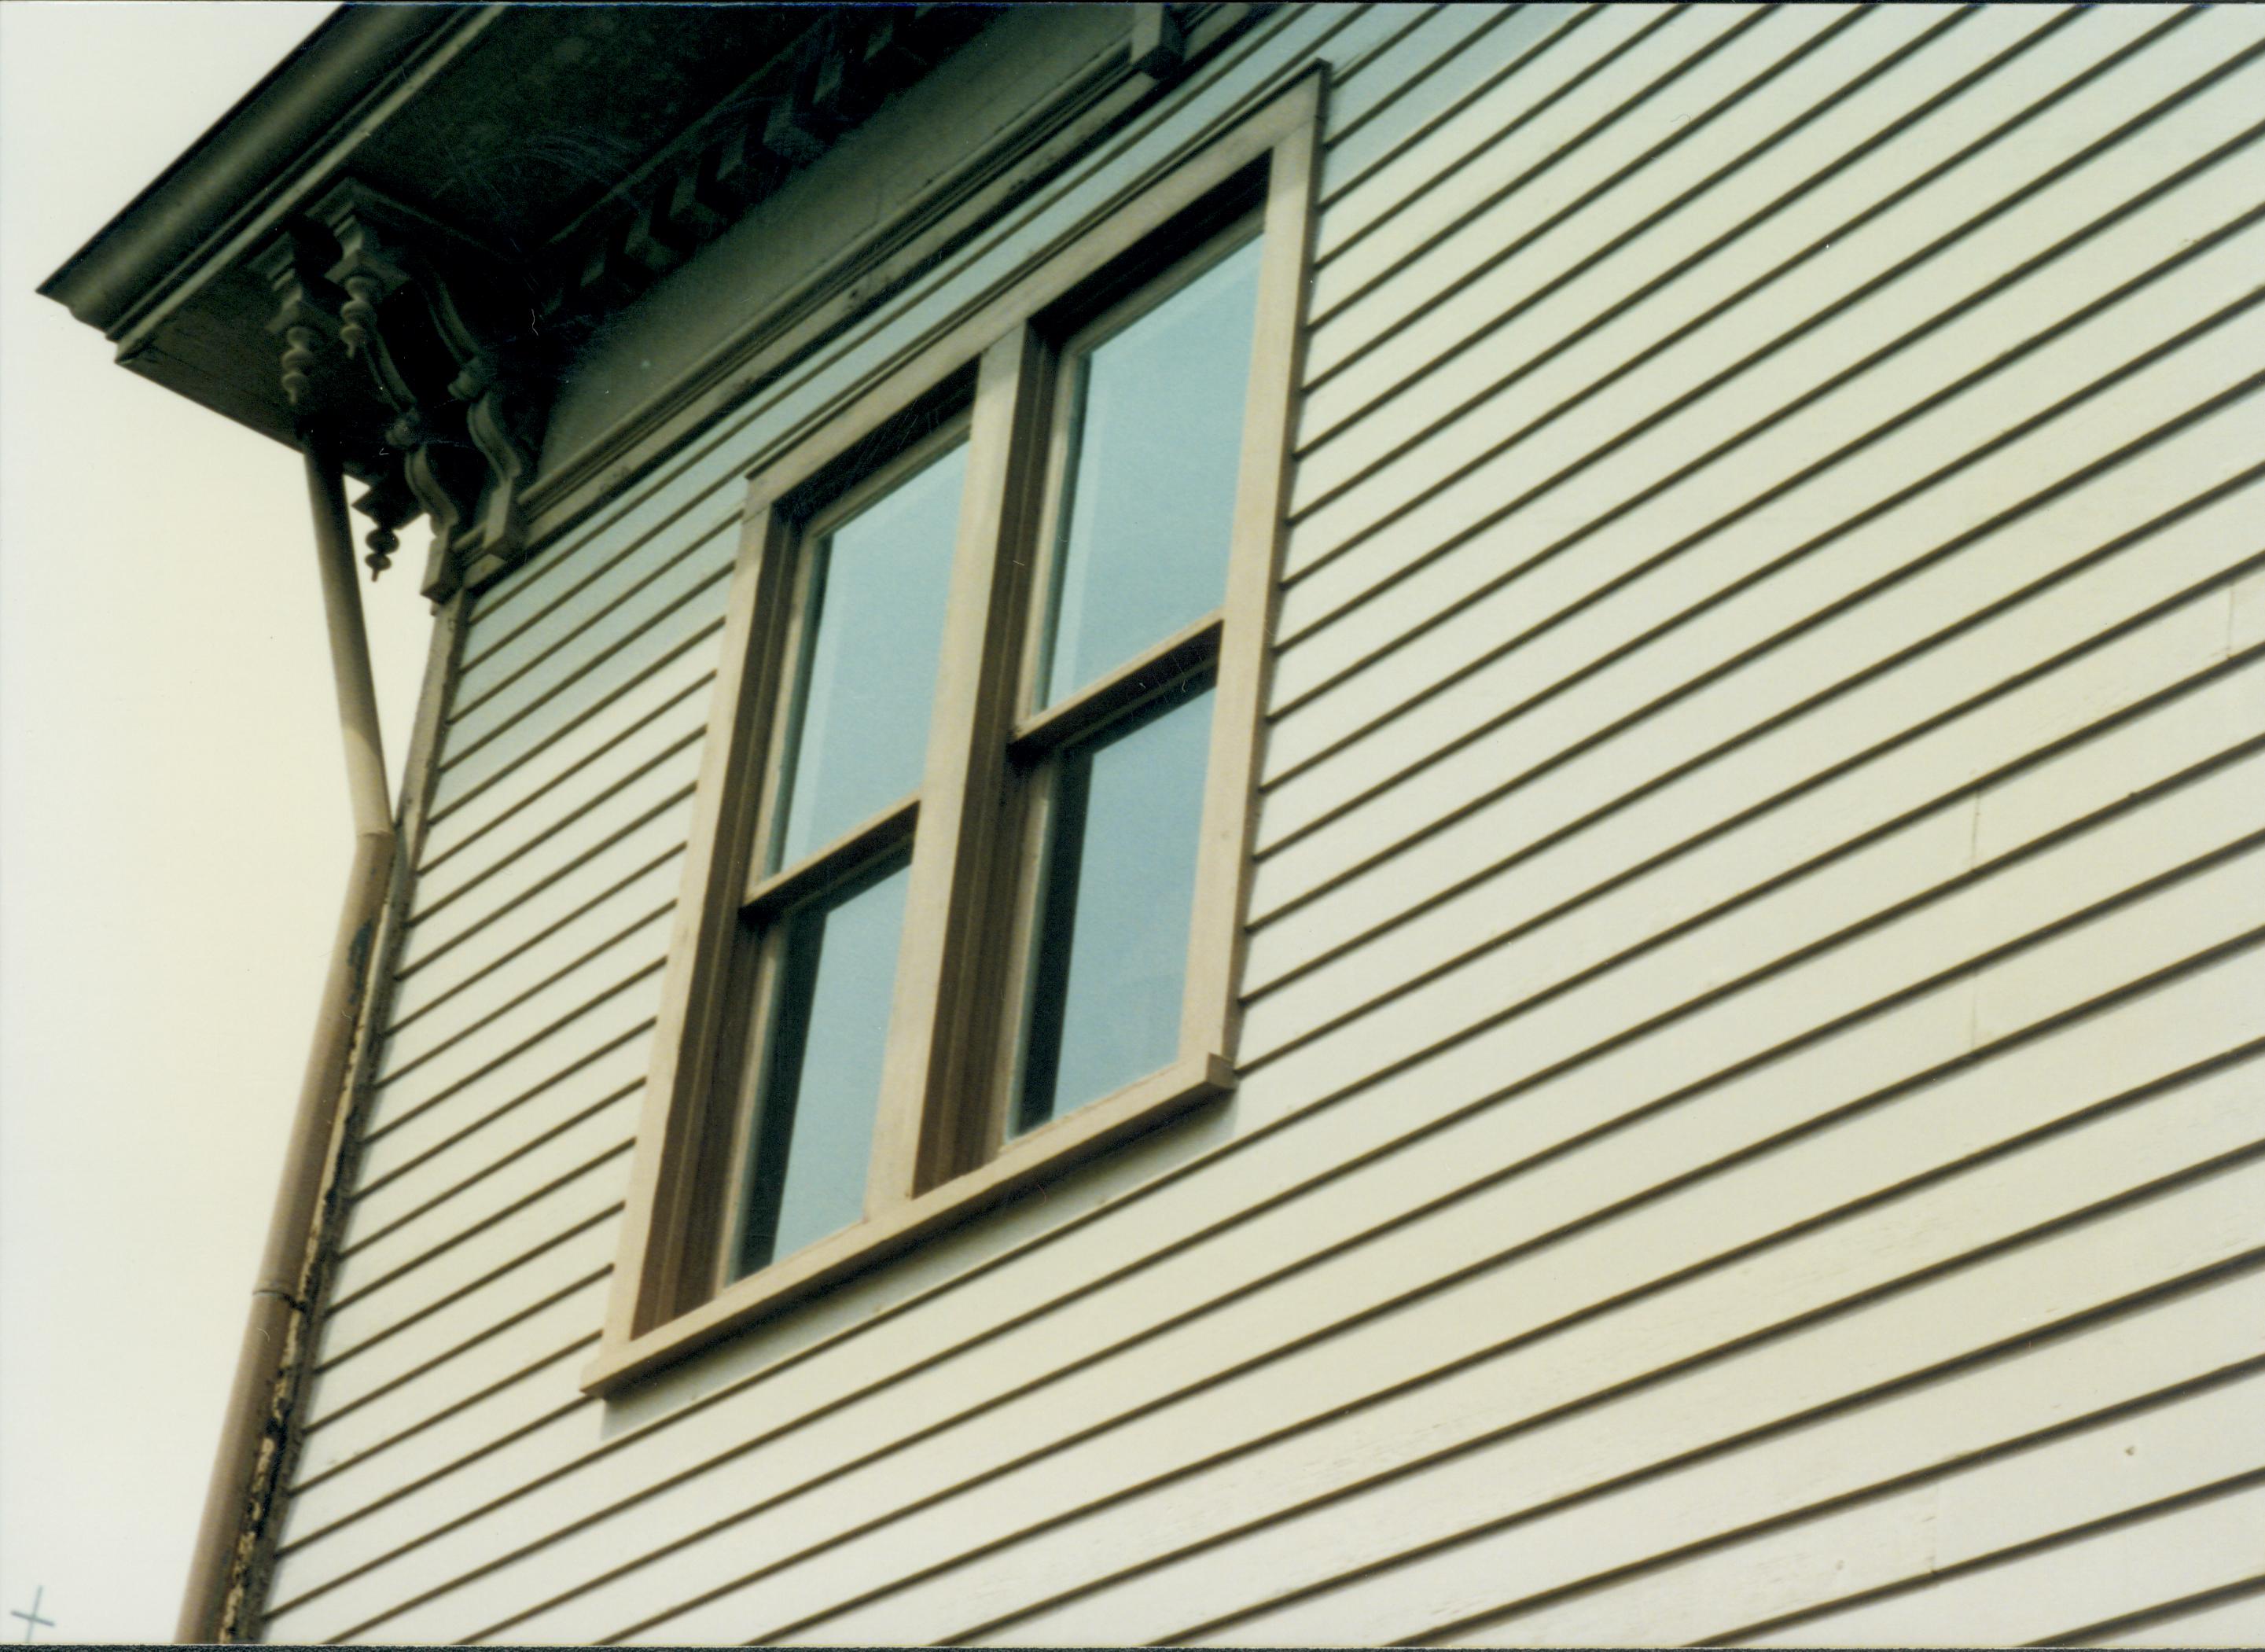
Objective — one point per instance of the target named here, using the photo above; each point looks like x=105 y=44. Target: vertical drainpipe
x=251 y=1435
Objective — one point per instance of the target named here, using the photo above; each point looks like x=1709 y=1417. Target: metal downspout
x=251 y=1429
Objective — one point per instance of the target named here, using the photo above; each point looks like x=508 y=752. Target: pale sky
x=173 y=835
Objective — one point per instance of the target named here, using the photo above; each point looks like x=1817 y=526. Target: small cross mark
x=32 y=1619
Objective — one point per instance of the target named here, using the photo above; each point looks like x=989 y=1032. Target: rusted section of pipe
x=253 y=1434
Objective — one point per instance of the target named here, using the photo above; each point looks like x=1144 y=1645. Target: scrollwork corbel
x=452 y=417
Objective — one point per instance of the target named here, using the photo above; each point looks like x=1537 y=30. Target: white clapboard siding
x=1664 y=144
x=2191 y=1546
x=1182 y=1360
x=1514 y=1015
x=459 y=902
x=1780 y=260
x=499 y=1189
x=492 y=1259
x=488 y=1430
x=1760 y=197
x=689 y=627
x=2076 y=583
x=495 y=1123
x=475 y=1171
x=449 y=1047
x=2217 y=1618
x=1656 y=842
x=1756 y=997
x=1773 y=486
x=1903 y=1333
x=612 y=773
x=494 y=964
x=490 y=1366
x=1654 y=56
x=1730 y=386
x=1531 y=678
x=620 y=838
x=397 y=1304
x=1408 y=86
x=544 y=620
x=486 y=1071
x=459 y=1325
x=1874 y=1447
x=2129 y=1458
x=1844 y=456
x=2203 y=1015
x=2247 y=627
x=667 y=694
x=1769 y=216
x=2091 y=948
x=2119 y=1052
x=1466 y=111
x=663 y=603
x=450 y=1040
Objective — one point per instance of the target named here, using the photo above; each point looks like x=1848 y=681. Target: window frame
x=938 y=1157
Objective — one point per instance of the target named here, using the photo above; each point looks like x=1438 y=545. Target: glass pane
x=1112 y=941
x=875 y=627
x=806 y=1175
x=1157 y=438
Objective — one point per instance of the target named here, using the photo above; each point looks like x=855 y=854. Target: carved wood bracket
x=408 y=345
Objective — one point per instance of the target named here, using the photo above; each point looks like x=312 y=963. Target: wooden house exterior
x=1732 y=871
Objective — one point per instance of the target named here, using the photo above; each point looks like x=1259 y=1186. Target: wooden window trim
x=997 y=365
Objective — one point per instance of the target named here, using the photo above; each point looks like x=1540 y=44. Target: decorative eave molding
x=227 y=281
x=789 y=115
x=337 y=77
x=1163 y=43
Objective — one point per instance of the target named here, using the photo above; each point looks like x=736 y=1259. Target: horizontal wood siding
x=1751 y=1116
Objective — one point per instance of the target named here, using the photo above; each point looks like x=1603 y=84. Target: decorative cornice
x=428 y=358
x=789 y=113
x=322 y=211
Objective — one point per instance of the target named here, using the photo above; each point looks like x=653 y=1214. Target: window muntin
x=944 y=1146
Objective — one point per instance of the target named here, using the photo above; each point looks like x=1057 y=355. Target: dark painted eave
x=351 y=53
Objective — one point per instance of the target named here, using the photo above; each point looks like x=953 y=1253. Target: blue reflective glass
x=1111 y=949
x=876 y=627
x=1156 y=435
x=813 y=1134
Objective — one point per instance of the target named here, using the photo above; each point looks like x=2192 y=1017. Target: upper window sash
x=936 y=1160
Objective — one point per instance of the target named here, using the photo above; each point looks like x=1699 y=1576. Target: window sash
x=800 y=652
x=1065 y=447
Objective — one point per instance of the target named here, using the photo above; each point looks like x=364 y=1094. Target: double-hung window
x=964 y=888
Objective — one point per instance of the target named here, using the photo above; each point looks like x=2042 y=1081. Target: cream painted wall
x=173 y=835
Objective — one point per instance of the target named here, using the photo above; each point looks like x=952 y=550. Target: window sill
x=1048 y=1150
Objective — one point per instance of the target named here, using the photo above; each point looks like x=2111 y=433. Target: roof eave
x=348 y=56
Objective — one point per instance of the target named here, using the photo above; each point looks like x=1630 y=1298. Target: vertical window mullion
x=929 y=1127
